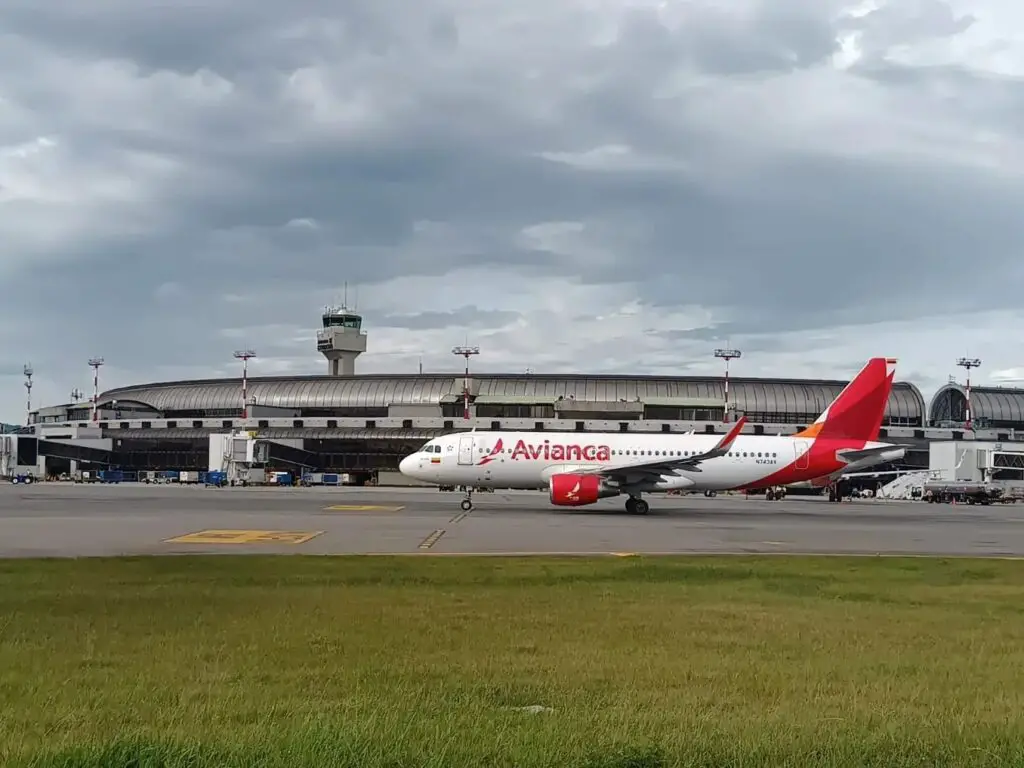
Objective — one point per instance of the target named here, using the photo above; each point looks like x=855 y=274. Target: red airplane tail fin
x=857 y=413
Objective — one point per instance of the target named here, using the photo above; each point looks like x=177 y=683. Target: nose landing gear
x=467 y=503
x=637 y=506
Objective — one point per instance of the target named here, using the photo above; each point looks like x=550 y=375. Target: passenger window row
x=732 y=454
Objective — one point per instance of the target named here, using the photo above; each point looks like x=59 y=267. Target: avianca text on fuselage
x=578 y=470
x=548 y=451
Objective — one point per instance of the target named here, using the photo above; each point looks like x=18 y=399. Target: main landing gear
x=637 y=506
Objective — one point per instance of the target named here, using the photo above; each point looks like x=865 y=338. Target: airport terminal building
x=363 y=424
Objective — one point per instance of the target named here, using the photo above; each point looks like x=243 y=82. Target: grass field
x=370 y=662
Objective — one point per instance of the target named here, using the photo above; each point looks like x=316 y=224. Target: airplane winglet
x=721 y=448
x=730 y=437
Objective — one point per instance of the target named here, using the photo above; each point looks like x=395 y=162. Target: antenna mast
x=245 y=355
x=28 y=388
x=95 y=364
x=968 y=363
x=466 y=352
x=727 y=355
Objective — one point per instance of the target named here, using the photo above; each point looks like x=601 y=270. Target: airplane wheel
x=641 y=507
x=466 y=505
x=631 y=505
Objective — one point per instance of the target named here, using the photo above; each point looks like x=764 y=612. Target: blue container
x=218 y=479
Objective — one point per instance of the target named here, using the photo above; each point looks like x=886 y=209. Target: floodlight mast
x=245 y=355
x=967 y=363
x=466 y=352
x=28 y=389
x=95 y=364
x=727 y=355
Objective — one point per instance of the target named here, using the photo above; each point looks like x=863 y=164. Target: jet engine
x=569 y=490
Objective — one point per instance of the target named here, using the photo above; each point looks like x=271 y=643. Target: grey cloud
x=988 y=101
x=462 y=318
x=827 y=241
x=421 y=150
x=896 y=24
x=228 y=36
x=774 y=38
x=715 y=333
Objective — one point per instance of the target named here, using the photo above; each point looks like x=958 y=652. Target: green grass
x=370 y=662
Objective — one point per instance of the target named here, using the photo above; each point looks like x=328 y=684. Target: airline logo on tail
x=859 y=410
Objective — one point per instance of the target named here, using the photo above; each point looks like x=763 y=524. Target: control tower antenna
x=95 y=364
x=466 y=352
x=28 y=388
x=342 y=339
x=727 y=355
x=245 y=355
x=968 y=363
x=76 y=395
x=354 y=306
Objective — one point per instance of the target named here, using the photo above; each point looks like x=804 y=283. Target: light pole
x=968 y=363
x=95 y=364
x=727 y=355
x=466 y=352
x=245 y=355
x=28 y=389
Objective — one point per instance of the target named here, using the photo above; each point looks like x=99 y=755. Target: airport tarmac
x=58 y=520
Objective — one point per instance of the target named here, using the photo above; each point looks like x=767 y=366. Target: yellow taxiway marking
x=431 y=540
x=245 y=537
x=361 y=508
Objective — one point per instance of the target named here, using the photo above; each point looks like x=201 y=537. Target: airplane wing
x=661 y=465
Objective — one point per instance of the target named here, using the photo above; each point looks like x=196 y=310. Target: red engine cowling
x=568 y=490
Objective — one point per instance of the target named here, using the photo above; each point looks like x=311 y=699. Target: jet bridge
x=280 y=453
x=74 y=450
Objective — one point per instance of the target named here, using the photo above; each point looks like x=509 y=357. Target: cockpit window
x=428 y=448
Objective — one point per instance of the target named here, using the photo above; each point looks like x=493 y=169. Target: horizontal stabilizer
x=852 y=456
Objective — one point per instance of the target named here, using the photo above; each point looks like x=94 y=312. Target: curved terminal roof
x=753 y=396
x=1000 y=406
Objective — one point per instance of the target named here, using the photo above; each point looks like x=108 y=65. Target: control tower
x=341 y=340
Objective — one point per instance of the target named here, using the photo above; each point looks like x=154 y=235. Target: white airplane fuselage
x=527 y=460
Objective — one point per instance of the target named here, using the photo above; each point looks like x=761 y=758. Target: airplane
x=579 y=468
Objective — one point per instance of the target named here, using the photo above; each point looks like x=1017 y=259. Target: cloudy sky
x=585 y=185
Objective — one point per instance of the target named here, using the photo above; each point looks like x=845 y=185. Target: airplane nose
x=407 y=465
